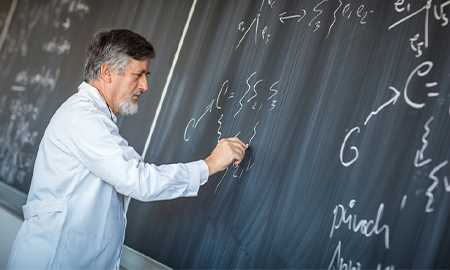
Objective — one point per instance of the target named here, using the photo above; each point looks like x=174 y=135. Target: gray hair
x=115 y=48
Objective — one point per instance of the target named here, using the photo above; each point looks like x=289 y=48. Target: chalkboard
x=345 y=106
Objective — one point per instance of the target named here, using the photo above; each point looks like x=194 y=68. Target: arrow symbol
x=392 y=101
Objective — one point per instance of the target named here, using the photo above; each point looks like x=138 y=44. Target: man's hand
x=227 y=151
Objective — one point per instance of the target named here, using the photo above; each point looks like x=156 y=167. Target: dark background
x=314 y=82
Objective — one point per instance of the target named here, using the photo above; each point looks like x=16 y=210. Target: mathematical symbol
x=241 y=26
x=246 y=32
x=431 y=84
x=265 y=35
x=271 y=3
x=273 y=105
x=443 y=15
x=18 y=88
x=399 y=6
x=299 y=17
x=66 y=24
x=403 y=203
x=235 y=171
x=415 y=45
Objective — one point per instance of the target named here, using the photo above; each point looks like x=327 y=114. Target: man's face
x=128 y=86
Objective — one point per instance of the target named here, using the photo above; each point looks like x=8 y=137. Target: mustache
x=138 y=94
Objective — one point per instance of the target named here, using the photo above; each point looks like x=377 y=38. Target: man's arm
x=107 y=155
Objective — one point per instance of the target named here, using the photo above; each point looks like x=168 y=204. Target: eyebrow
x=143 y=72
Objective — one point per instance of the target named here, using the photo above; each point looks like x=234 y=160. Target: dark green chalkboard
x=347 y=116
x=345 y=105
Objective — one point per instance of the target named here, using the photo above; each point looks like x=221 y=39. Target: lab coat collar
x=86 y=89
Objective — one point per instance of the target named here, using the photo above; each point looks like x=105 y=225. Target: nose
x=143 y=83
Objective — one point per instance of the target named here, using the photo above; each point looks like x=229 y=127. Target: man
x=75 y=213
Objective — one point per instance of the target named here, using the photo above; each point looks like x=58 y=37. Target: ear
x=105 y=73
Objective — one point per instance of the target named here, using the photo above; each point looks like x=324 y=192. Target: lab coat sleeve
x=100 y=148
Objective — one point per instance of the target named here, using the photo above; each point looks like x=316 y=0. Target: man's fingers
x=227 y=151
x=240 y=145
x=237 y=153
x=235 y=143
x=237 y=149
x=237 y=161
x=240 y=150
x=238 y=156
x=237 y=140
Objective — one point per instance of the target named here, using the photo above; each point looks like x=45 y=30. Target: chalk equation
x=349 y=153
x=59 y=18
x=422 y=70
x=18 y=136
x=257 y=97
x=45 y=78
x=57 y=45
x=258 y=29
x=429 y=10
x=422 y=160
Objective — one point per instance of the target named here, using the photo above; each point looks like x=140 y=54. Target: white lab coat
x=75 y=214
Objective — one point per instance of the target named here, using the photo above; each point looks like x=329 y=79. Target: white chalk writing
x=366 y=227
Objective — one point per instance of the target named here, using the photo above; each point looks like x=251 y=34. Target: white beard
x=128 y=107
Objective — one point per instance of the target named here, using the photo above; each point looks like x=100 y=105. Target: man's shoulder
x=79 y=118
x=75 y=111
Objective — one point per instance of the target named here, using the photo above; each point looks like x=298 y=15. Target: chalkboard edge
x=12 y=200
